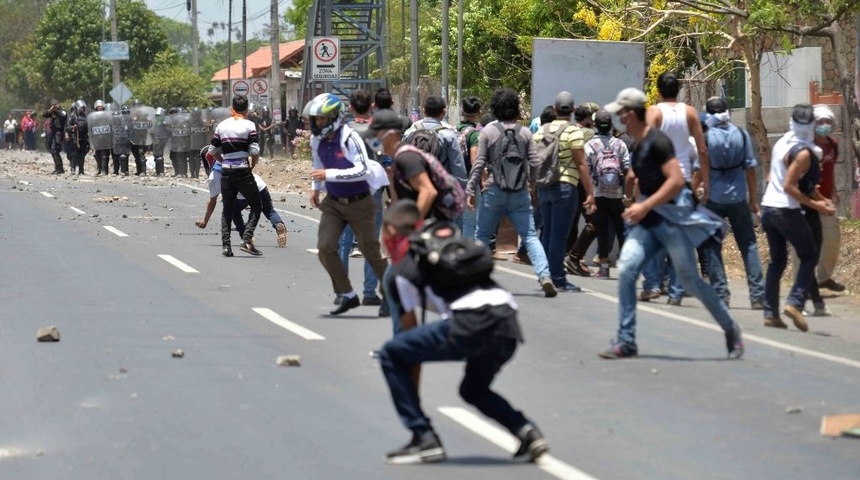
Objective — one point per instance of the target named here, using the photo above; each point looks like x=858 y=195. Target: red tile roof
x=259 y=63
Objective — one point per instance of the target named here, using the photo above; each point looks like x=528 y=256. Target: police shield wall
x=142 y=119
x=180 y=132
x=121 y=130
x=100 y=124
x=201 y=132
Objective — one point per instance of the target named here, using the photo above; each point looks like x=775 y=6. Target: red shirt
x=830 y=147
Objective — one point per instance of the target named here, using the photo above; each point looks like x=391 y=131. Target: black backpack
x=426 y=139
x=509 y=163
x=448 y=259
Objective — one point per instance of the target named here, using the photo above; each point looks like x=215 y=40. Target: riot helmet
x=99 y=105
x=328 y=106
x=80 y=106
x=159 y=112
x=293 y=112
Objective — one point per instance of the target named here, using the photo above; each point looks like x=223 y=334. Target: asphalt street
x=110 y=402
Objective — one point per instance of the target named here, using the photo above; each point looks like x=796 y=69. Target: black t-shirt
x=647 y=159
x=407 y=165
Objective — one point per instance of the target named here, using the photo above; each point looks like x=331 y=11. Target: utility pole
x=446 y=9
x=195 y=57
x=113 y=38
x=244 y=39
x=225 y=96
x=275 y=82
x=413 y=70
x=460 y=52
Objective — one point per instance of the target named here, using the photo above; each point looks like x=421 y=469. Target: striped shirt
x=235 y=139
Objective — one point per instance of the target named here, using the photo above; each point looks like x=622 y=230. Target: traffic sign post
x=240 y=87
x=325 y=63
x=120 y=93
x=259 y=94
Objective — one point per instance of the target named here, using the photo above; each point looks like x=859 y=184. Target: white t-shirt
x=10 y=125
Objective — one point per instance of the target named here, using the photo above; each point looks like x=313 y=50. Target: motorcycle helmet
x=329 y=106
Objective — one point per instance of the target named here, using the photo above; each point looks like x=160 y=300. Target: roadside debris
x=48 y=334
x=289 y=361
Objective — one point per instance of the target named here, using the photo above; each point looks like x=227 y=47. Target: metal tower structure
x=359 y=25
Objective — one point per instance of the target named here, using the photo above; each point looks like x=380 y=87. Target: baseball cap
x=564 y=102
x=716 y=105
x=602 y=119
x=627 y=98
x=385 y=119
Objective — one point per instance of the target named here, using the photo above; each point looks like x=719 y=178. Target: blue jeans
x=517 y=207
x=740 y=219
x=268 y=209
x=640 y=245
x=470 y=218
x=432 y=342
x=783 y=226
x=656 y=270
x=388 y=288
x=347 y=240
x=558 y=206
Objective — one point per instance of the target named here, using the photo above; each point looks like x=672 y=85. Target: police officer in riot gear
x=78 y=132
x=291 y=125
x=160 y=137
x=180 y=141
x=100 y=122
x=138 y=150
x=267 y=133
x=121 y=142
x=58 y=118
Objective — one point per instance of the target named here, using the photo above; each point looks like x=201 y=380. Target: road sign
x=325 y=64
x=240 y=87
x=113 y=50
x=259 y=94
x=120 y=93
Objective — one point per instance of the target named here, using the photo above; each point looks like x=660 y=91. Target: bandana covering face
x=717 y=119
x=398 y=245
x=805 y=134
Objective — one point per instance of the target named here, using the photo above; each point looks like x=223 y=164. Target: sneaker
x=568 y=287
x=832 y=285
x=248 y=247
x=383 y=310
x=227 y=252
x=549 y=290
x=756 y=305
x=426 y=449
x=603 y=272
x=373 y=301
x=346 y=304
x=338 y=298
x=648 y=295
x=532 y=443
x=282 y=235
x=796 y=316
x=356 y=253
x=819 y=311
x=735 y=343
x=674 y=302
x=620 y=350
x=774 y=322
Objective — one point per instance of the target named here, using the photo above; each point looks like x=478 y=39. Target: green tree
x=61 y=58
x=296 y=16
x=170 y=83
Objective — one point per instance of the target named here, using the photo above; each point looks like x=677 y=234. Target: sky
x=211 y=11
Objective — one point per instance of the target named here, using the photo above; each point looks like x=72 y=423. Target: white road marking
x=47 y=194
x=78 y=210
x=115 y=231
x=509 y=443
x=710 y=326
x=282 y=322
x=176 y=263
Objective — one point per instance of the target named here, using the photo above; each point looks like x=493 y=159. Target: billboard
x=592 y=70
x=110 y=51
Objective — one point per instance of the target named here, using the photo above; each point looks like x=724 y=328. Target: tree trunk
x=755 y=123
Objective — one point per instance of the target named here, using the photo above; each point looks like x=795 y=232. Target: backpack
x=451 y=198
x=464 y=145
x=607 y=172
x=426 y=139
x=549 y=172
x=720 y=139
x=509 y=163
x=447 y=258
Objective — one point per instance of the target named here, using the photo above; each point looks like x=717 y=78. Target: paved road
x=109 y=401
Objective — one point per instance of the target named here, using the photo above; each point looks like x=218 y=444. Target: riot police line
x=117 y=135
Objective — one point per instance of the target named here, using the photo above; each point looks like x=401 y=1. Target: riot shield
x=218 y=115
x=160 y=135
x=121 y=130
x=101 y=134
x=201 y=132
x=142 y=118
x=180 y=132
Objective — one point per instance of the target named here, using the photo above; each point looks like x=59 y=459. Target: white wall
x=785 y=77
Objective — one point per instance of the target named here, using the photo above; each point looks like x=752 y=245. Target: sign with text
x=259 y=94
x=325 y=60
x=113 y=50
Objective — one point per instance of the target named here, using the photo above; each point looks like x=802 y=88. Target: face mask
x=823 y=130
x=803 y=132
